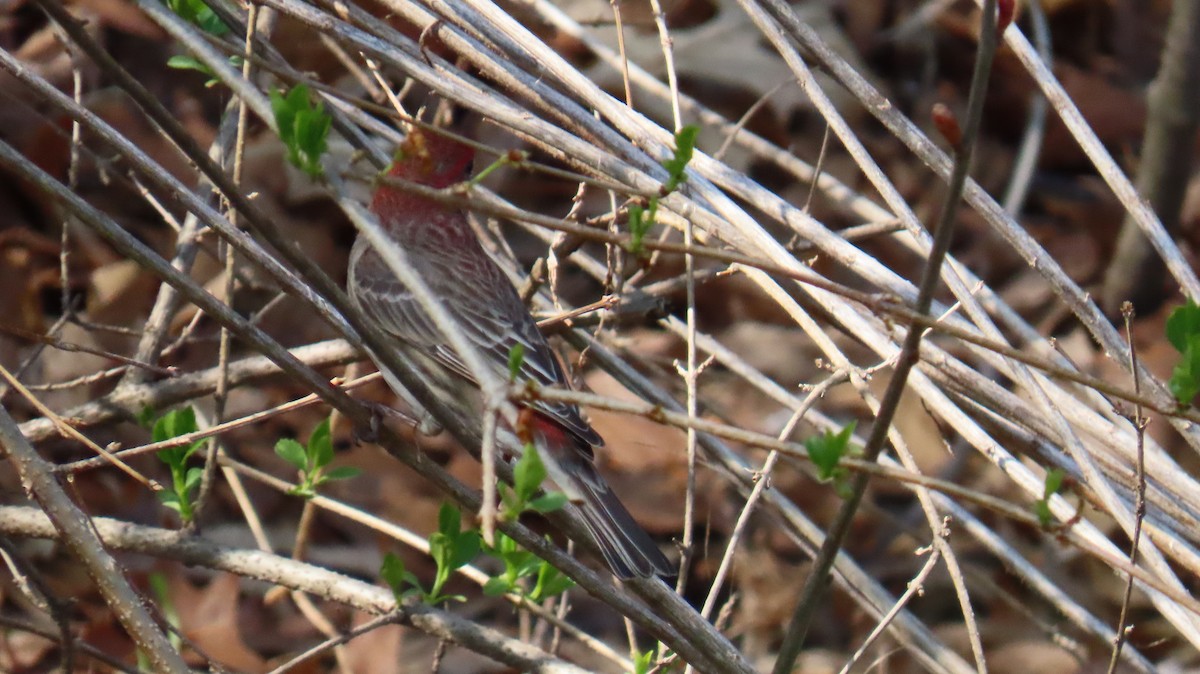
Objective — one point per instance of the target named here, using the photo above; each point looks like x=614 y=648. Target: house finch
x=445 y=252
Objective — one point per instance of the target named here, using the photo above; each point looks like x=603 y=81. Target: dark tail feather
x=627 y=548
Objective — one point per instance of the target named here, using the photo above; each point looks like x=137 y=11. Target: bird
x=444 y=250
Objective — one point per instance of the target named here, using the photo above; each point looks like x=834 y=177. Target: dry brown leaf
x=209 y=617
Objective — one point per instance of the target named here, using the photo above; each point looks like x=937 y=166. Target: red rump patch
x=532 y=425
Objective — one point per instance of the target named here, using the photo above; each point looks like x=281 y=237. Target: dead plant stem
x=909 y=353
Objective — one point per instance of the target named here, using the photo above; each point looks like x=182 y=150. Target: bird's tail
x=627 y=548
x=569 y=459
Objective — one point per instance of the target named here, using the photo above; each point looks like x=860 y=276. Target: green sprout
x=520 y=565
x=200 y=15
x=512 y=157
x=403 y=583
x=528 y=475
x=640 y=219
x=451 y=549
x=685 y=147
x=643 y=661
x=303 y=128
x=1052 y=486
x=185 y=62
x=524 y=572
x=312 y=461
x=516 y=360
x=826 y=451
x=1183 y=331
x=180 y=494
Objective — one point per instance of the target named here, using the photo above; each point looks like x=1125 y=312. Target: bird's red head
x=433 y=160
x=425 y=158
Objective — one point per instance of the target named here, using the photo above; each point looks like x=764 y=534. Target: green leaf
x=285 y=116
x=685 y=146
x=1182 y=325
x=188 y=62
x=293 y=452
x=303 y=128
x=310 y=460
x=146 y=418
x=510 y=501
x=312 y=133
x=549 y=502
x=166 y=606
x=516 y=358
x=443 y=598
x=320 y=445
x=1041 y=509
x=450 y=548
x=342 y=473
x=199 y=14
x=638 y=226
x=175 y=457
x=298 y=97
x=397 y=577
x=184 y=481
x=210 y=23
x=303 y=490
x=1052 y=485
x=826 y=451
x=550 y=582
x=496 y=586
x=504 y=545
x=1185 y=378
x=175 y=423
x=192 y=481
x=449 y=520
x=169 y=498
x=441 y=549
x=1054 y=482
x=526 y=564
x=528 y=474
x=520 y=563
x=185 y=62
x=641 y=663
x=466 y=549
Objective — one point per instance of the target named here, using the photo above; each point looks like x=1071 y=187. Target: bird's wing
x=487 y=309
